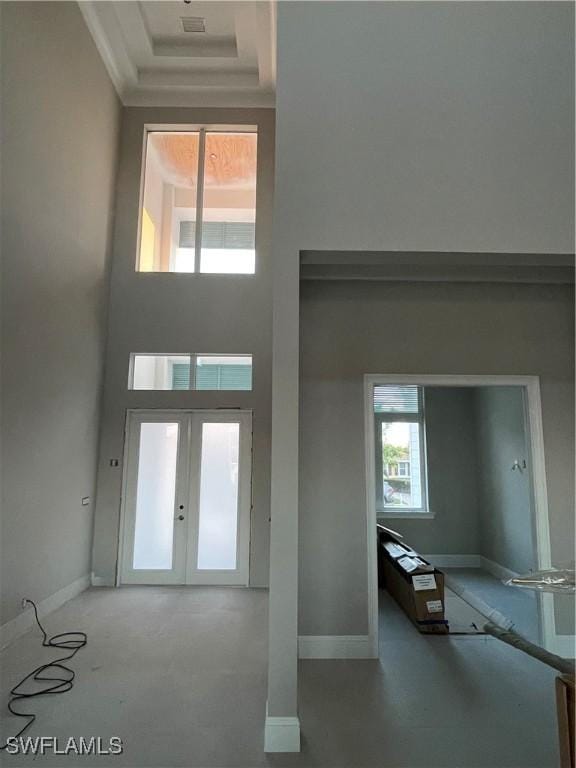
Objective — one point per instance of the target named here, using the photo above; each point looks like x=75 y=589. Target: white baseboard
x=455 y=561
x=24 y=621
x=497 y=570
x=471 y=561
x=101 y=581
x=335 y=647
x=281 y=734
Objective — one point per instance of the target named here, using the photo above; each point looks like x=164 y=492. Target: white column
x=282 y=731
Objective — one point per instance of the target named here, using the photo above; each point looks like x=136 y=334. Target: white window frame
x=202 y=130
x=384 y=511
x=193 y=357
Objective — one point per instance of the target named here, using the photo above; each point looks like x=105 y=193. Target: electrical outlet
x=85 y=501
x=24 y=602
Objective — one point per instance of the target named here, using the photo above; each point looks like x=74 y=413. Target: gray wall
x=428 y=126
x=59 y=136
x=452 y=476
x=505 y=497
x=406 y=127
x=166 y=312
x=455 y=328
x=332 y=490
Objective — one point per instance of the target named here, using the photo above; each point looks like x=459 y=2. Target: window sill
x=408 y=514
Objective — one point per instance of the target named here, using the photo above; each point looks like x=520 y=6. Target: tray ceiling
x=204 y=53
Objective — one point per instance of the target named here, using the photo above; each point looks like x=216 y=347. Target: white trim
x=336 y=647
x=245 y=98
x=371 y=519
x=18 y=626
x=535 y=435
x=199 y=213
x=107 y=23
x=472 y=561
x=455 y=561
x=497 y=570
x=281 y=734
x=118 y=71
x=543 y=548
x=408 y=515
x=102 y=581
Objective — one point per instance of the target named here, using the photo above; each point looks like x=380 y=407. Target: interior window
x=400 y=449
x=198 y=208
x=158 y=372
x=200 y=372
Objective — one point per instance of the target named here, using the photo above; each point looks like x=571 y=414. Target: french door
x=187 y=498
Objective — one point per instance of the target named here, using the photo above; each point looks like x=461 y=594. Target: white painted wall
x=60 y=120
x=167 y=312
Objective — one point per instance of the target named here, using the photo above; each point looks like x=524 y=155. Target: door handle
x=180 y=517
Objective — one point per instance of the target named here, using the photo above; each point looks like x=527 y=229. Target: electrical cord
x=69 y=641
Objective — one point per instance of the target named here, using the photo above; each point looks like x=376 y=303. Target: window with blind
x=191 y=372
x=400 y=449
x=198 y=202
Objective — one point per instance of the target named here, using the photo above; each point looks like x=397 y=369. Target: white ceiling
x=154 y=62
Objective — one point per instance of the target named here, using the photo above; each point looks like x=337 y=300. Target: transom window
x=400 y=449
x=199 y=372
x=198 y=202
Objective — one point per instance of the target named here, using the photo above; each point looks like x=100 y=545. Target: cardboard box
x=416 y=586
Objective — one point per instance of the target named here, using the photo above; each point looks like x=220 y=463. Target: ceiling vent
x=193 y=23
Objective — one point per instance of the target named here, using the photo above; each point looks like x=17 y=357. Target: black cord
x=70 y=641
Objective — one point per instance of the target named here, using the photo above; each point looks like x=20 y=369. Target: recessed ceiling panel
x=206 y=53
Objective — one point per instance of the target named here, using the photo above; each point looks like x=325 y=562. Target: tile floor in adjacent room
x=518 y=605
x=180 y=675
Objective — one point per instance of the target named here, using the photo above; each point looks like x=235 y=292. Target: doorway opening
x=186 y=501
x=455 y=465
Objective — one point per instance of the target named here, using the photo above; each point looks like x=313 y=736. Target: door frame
x=244 y=487
x=539 y=492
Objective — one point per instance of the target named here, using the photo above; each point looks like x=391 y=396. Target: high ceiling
x=202 y=52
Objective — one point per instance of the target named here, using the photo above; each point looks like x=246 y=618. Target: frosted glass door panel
x=218 y=513
x=186 y=511
x=155 y=496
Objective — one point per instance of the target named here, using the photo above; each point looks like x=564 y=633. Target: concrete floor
x=180 y=675
x=518 y=605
